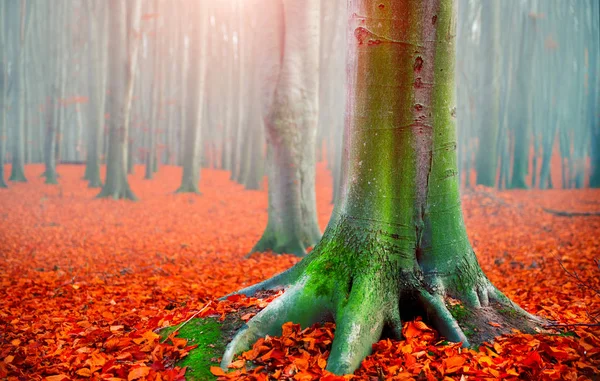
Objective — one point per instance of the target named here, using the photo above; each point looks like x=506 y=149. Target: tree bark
x=97 y=85
x=290 y=109
x=396 y=244
x=3 y=82
x=123 y=50
x=487 y=157
x=19 y=23
x=195 y=94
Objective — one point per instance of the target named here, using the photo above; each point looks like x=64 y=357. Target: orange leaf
x=58 y=377
x=454 y=363
x=138 y=373
x=216 y=371
x=84 y=372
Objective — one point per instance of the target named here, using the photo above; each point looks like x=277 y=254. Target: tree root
x=296 y=305
x=363 y=313
x=275 y=283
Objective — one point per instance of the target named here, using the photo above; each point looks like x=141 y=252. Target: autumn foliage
x=86 y=284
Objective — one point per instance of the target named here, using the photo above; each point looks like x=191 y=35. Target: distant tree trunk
x=487 y=157
x=291 y=108
x=19 y=20
x=521 y=101
x=97 y=86
x=3 y=82
x=154 y=100
x=195 y=102
x=50 y=139
x=255 y=171
x=123 y=50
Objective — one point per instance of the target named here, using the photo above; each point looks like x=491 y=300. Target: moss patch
x=459 y=312
x=208 y=335
x=212 y=336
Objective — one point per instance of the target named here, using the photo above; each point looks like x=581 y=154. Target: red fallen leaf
x=138 y=373
x=217 y=371
x=58 y=377
x=411 y=330
x=493 y=324
x=533 y=360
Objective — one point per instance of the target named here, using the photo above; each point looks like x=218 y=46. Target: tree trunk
x=291 y=119
x=19 y=16
x=195 y=94
x=396 y=245
x=123 y=49
x=97 y=85
x=3 y=82
x=487 y=157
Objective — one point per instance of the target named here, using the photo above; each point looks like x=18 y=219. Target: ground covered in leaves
x=85 y=284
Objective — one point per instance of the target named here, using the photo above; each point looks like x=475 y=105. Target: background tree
x=195 y=97
x=124 y=19
x=290 y=105
x=18 y=17
x=3 y=83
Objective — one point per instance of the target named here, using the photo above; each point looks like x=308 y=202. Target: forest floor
x=85 y=283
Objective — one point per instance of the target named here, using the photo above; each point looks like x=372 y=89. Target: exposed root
x=296 y=305
x=275 y=283
x=359 y=325
x=442 y=319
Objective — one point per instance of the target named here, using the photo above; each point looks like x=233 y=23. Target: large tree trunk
x=123 y=48
x=291 y=107
x=396 y=245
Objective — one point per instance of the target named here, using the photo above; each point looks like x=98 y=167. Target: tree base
x=188 y=189
x=356 y=280
x=95 y=183
x=117 y=194
x=51 y=180
x=17 y=178
x=270 y=242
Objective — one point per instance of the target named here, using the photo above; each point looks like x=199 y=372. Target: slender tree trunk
x=123 y=51
x=3 y=82
x=195 y=94
x=521 y=122
x=291 y=123
x=19 y=15
x=97 y=86
x=487 y=157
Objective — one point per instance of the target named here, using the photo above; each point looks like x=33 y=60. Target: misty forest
x=299 y=190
